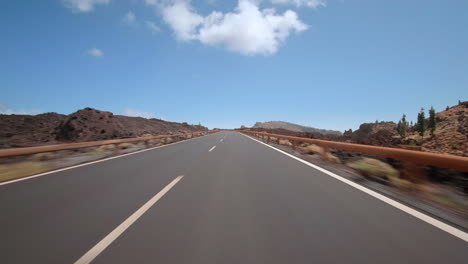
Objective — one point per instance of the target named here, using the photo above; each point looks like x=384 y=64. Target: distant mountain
x=294 y=127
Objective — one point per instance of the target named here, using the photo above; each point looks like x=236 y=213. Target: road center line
x=432 y=221
x=106 y=241
x=211 y=149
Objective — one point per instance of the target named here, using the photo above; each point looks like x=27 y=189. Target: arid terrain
x=451 y=134
x=84 y=125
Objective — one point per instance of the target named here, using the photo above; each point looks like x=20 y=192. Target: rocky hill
x=293 y=127
x=84 y=125
x=451 y=135
x=27 y=130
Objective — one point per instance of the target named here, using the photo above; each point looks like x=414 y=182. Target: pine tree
x=402 y=127
x=432 y=120
x=447 y=108
x=421 y=124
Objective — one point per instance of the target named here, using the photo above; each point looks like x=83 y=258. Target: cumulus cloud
x=182 y=18
x=4 y=110
x=129 y=18
x=153 y=27
x=299 y=3
x=138 y=113
x=81 y=6
x=247 y=30
x=95 y=52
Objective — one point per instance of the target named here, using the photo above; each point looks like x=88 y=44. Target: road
x=238 y=201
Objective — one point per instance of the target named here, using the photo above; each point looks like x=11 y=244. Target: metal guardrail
x=453 y=162
x=50 y=148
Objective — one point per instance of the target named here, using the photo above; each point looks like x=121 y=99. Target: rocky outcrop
x=378 y=134
x=90 y=124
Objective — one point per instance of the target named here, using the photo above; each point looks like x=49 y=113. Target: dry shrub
x=125 y=145
x=377 y=168
x=43 y=156
x=153 y=142
x=427 y=188
x=402 y=184
x=285 y=142
x=109 y=147
x=21 y=169
x=313 y=149
x=103 y=150
x=373 y=167
x=168 y=140
x=330 y=157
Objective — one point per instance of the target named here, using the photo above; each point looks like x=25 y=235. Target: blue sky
x=324 y=63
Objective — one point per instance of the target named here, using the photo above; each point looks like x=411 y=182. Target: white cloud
x=137 y=113
x=299 y=3
x=248 y=30
x=129 y=18
x=153 y=27
x=79 y=6
x=183 y=19
x=95 y=52
x=4 y=110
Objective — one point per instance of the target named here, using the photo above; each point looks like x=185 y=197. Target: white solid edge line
x=112 y=236
x=211 y=149
x=441 y=225
x=93 y=162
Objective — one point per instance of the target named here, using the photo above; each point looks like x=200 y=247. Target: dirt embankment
x=84 y=125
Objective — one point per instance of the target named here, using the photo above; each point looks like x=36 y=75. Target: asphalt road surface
x=238 y=201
